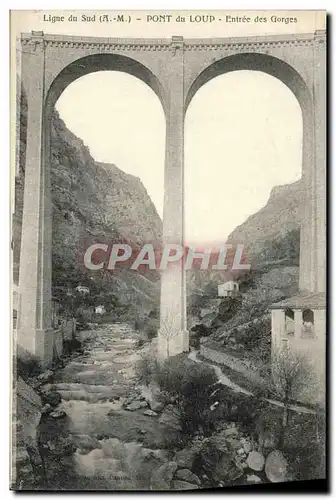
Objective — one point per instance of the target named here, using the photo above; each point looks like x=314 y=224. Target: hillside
x=92 y=202
x=272 y=241
x=278 y=217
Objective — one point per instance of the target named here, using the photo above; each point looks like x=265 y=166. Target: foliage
x=189 y=385
x=291 y=374
x=146 y=369
x=211 y=290
x=255 y=334
x=27 y=366
x=291 y=378
x=286 y=248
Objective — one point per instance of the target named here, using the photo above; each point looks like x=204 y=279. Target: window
x=289 y=321
x=307 y=322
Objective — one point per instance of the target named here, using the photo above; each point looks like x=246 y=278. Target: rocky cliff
x=92 y=202
x=280 y=216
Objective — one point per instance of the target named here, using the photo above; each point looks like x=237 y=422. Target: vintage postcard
x=168 y=250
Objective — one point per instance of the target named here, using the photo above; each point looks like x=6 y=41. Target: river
x=116 y=449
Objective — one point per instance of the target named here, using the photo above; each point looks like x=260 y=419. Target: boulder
x=208 y=319
x=162 y=478
x=183 y=485
x=46 y=409
x=156 y=405
x=227 y=469
x=86 y=443
x=269 y=439
x=276 y=467
x=135 y=405
x=247 y=447
x=57 y=414
x=255 y=460
x=61 y=446
x=53 y=398
x=188 y=476
x=230 y=431
x=150 y=413
x=143 y=404
x=234 y=443
x=185 y=458
x=46 y=376
x=170 y=419
x=253 y=479
x=205 y=311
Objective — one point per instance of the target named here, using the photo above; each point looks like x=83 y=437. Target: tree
x=291 y=377
x=168 y=331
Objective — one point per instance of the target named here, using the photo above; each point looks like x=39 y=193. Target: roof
x=302 y=301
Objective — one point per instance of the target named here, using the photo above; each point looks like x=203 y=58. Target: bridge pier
x=173 y=336
x=34 y=333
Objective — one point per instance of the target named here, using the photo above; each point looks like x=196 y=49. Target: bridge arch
x=288 y=75
x=256 y=62
x=101 y=62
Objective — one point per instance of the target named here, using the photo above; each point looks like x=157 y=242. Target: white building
x=83 y=289
x=100 y=310
x=228 y=289
x=299 y=324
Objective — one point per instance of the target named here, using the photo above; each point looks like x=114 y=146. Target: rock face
x=280 y=215
x=92 y=202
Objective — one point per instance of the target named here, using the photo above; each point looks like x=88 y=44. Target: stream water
x=116 y=449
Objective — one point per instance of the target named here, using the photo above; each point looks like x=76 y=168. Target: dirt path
x=225 y=380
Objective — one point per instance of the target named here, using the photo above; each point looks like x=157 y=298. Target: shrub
x=146 y=369
x=189 y=384
x=27 y=367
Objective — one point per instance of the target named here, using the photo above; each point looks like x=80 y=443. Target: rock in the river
x=247 y=447
x=162 y=478
x=61 y=446
x=276 y=467
x=135 y=405
x=46 y=376
x=188 y=476
x=87 y=443
x=46 y=409
x=253 y=479
x=150 y=413
x=143 y=404
x=156 y=405
x=57 y=414
x=255 y=461
x=170 y=419
x=183 y=485
x=53 y=398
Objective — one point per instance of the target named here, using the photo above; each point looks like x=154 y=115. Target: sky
x=243 y=135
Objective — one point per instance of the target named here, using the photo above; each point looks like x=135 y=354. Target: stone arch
x=102 y=62
x=258 y=62
x=76 y=69
x=91 y=64
x=287 y=74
